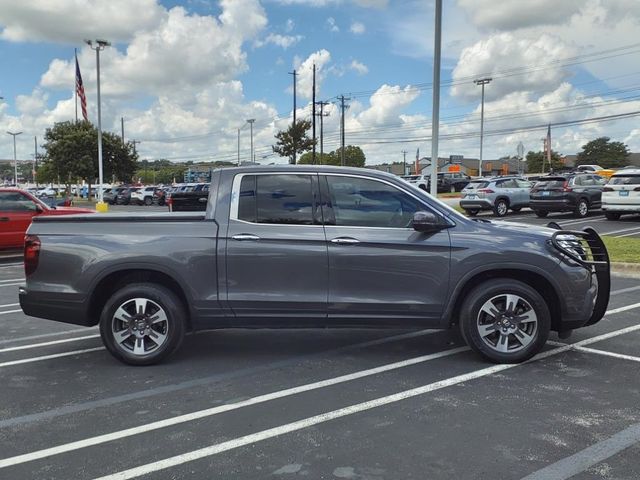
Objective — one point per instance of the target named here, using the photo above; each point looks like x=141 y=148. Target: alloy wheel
x=507 y=323
x=140 y=326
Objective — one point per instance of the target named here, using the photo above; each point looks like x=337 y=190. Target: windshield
x=550 y=183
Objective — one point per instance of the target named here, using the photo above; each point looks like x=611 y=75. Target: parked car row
x=574 y=192
x=448 y=182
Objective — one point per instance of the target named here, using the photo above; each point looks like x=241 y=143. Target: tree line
x=601 y=151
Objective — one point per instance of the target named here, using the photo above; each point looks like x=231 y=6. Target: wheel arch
x=534 y=279
x=114 y=280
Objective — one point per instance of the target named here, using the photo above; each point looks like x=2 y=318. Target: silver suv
x=499 y=194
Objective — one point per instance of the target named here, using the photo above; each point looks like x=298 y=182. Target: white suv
x=143 y=195
x=622 y=194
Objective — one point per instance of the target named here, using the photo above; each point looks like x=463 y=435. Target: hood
x=70 y=211
x=524 y=228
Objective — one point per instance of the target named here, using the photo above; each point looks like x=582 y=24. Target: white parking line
x=579 y=220
x=315 y=420
x=209 y=412
x=12 y=265
x=12 y=280
x=49 y=357
x=625 y=290
x=10 y=311
x=9 y=305
x=44 y=335
x=628 y=234
x=46 y=344
x=607 y=354
x=212 y=450
x=10 y=284
x=621 y=231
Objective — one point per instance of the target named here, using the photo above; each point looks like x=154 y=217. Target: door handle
x=245 y=236
x=4 y=219
x=345 y=241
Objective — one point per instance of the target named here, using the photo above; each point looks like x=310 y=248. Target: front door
x=276 y=251
x=379 y=266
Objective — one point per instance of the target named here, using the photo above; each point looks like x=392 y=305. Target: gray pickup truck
x=307 y=246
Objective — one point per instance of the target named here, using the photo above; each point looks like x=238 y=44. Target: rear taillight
x=485 y=190
x=31 y=253
x=607 y=189
x=566 y=187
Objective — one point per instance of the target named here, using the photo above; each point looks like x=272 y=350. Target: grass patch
x=623 y=249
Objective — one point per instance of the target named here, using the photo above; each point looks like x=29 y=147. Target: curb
x=624 y=269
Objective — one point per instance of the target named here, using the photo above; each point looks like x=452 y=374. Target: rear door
x=16 y=213
x=276 y=249
x=379 y=266
x=523 y=189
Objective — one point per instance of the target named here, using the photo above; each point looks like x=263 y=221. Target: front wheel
x=505 y=320
x=582 y=209
x=148 y=201
x=142 y=324
x=501 y=208
x=541 y=213
x=612 y=215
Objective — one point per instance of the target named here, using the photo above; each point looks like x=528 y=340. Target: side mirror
x=39 y=208
x=427 y=222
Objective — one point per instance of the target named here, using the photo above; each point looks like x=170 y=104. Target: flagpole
x=75 y=81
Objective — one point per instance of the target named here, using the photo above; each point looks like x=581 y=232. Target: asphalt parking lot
x=354 y=404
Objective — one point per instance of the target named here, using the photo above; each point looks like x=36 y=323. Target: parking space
x=359 y=404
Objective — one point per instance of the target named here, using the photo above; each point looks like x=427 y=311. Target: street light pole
x=250 y=122
x=15 y=158
x=482 y=82
x=435 y=115
x=99 y=45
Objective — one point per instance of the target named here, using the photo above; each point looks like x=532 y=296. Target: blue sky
x=185 y=75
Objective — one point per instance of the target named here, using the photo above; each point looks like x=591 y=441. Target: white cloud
x=324 y=3
x=357 y=28
x=501 y=52
x=331 y=25
x=387 y=102
x=359 y=67
x=321 y=58
x=510 y=15
x=71 y=21
x=290 y=25
x=283 y=41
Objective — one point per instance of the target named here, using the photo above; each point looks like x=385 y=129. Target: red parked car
x=17 y=208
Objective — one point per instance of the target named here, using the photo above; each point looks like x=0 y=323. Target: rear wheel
x=505 y=320
x=516 y=209
x=541 y=213
x=501 y=208
x=612 y=215
x=148 y=201
x=582 y=208
x=142 y=324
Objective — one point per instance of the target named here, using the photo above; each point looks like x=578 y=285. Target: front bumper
x=620 y=207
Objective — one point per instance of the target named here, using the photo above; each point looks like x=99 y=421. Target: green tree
x=72 y=154
x=534 y=161
x=353 y=157
x=293 y=140
x=602 y=151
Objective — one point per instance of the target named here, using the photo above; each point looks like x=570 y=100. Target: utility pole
x=135 y=142
x=15 y=158
x=35 y=159
x=313 y=114
x=404 y=162
x=482 y=82
x=99 y=45
x=435 y=116
x=250 y=122
x=321 y=115
x=122 y=127
x=295 y=74
x=343 y=106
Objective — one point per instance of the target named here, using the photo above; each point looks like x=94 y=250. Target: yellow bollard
x=102 y=207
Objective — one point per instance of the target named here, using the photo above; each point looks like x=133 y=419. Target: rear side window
x=277 y=199
x=476 y=185
x=625 y=180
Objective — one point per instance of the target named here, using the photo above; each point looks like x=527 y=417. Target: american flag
x=80 y=91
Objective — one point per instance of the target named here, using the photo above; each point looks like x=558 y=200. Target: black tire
x=472 y=213
x=612 y=215
x=501 y=207
x=541 y=213
x=516 y=209
x=473 y=320
x=148 y=201
x=582 y=208
x=171 y=331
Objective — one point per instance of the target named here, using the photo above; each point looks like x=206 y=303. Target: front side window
x=16 y=202
x=276 y=199
x=361 y=202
